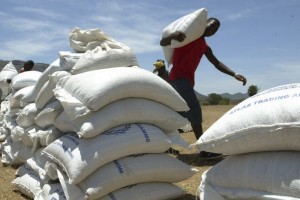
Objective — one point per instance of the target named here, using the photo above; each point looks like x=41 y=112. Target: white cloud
x=40 y=12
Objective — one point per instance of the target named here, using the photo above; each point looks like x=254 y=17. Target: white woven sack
x=268 y=121
x=90 y=91
x=146 y=191
x=71 y=191
x=16 y=132
x=126 y=111
x=63 y=123
x=193 y=25
x=47 y=136
x=264 y=175
x=38 y=163
x=28 y=135
x=51 y=191
x=3 y=133
x=25 y=79
x=68 y=59
x=107 y=55
x=79 y=161
x=56 y=65
x=4 y=106
x=38 y=168
x=22 y=170
x=15 y=101
x=27 y=115
x=8 y=72
x=9 y=150
x=46 y=92
x=46 y=117
x=83 y=40
x=28 y=184
x=132 y=170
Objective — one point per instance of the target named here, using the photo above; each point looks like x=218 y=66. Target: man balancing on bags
x=185 y=62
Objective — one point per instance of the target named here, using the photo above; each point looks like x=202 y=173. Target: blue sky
x=257 y=38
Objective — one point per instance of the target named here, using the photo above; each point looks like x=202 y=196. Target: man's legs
x=194 y=115
x=197 y=128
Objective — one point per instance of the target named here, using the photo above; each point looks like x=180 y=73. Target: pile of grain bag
x=93 y=125
x=261 y=138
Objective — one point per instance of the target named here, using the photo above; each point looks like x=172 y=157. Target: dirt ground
x=210 y=115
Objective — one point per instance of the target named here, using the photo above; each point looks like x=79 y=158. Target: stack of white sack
x=113 y=114
x=7 y=73
x=261 y=137
x=31 y=107
x=29 y=126
x=61 y=150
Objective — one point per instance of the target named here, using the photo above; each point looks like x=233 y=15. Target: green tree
x=225 y=101
x=214 y=99
x=252 y=90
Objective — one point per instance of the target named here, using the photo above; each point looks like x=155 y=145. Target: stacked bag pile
x=94 y=125
x=261 y=137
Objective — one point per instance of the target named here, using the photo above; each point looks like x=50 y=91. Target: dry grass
x=210 y=115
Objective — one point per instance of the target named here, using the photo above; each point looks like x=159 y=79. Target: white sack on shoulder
x=268 y=121
x=107 y=55
x=79 y=157
x=135 y=169
x=192 y=25
x=90 y=91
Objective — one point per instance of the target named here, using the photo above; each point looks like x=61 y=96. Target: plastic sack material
x=82 y=93
x=192 y=25
x=268 y=121
x=262 y=176
x=80 y=160
x=124 y=111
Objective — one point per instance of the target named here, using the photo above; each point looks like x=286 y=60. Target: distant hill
x=235 y=98
x=19 y=64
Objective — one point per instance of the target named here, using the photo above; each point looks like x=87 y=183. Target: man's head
x=159 y=64
x=28 y=65
x=212 y=27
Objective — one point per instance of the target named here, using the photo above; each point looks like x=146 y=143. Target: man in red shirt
x=185 y=62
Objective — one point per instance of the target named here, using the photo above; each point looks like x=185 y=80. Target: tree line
x=216 y=99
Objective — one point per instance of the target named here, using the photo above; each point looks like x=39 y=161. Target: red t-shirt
x=186 y=60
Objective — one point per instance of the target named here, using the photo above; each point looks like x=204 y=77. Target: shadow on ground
x=195 y=160
x=187 y=197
